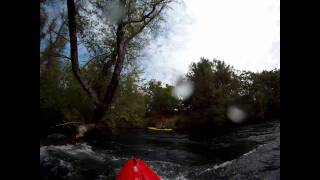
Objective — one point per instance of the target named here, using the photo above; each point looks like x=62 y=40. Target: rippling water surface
x=249 y=152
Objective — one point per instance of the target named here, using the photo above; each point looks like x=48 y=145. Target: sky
x=245 y=34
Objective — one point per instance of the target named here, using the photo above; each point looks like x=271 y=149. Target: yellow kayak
x=159 y=129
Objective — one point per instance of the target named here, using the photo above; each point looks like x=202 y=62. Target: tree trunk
x=112 y=87
x=104 y=72
x=98 y=114
x=74 y=54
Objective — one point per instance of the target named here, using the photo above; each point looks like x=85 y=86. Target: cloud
x=245 y=34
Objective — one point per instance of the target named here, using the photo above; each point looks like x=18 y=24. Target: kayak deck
x=135 y=169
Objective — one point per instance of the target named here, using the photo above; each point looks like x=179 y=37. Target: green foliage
x=59 y=90
x=215 y=88
x=43 y=20
x=160 y=99
x=265 y=93
x=50 y=68
x=76 y=105
x=129 y=106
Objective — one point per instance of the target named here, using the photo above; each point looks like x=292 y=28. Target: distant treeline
x=214 y=89
x=220 y=97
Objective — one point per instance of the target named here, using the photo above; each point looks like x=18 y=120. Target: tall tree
x=52 y=44
x=265 y=94
x=132 y=19
x=215 y=87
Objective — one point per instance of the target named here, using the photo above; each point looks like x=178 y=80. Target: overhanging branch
x=144 y=25
x=149 y=15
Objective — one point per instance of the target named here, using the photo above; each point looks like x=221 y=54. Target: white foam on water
x=43 y=152
x=222 y=164
x=74 y=150
x=159 y=165
x=102 y=177
x=179 y=177
x=246 y=154
x=65 y=164
x=216 y=167
x=162 y=162
x=114 y=158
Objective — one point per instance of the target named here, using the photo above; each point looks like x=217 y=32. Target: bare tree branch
x=62 y=56
x=95 y=57
x=59 y=35
x=144 y=25
x=145 y=16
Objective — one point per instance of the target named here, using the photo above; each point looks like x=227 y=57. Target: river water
x=248 y=152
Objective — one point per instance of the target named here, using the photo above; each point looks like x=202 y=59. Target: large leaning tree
x=114 y=31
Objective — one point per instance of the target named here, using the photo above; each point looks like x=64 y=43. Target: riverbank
x=66 y=135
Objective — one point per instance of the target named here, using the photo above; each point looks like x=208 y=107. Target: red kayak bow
x=135 y=169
